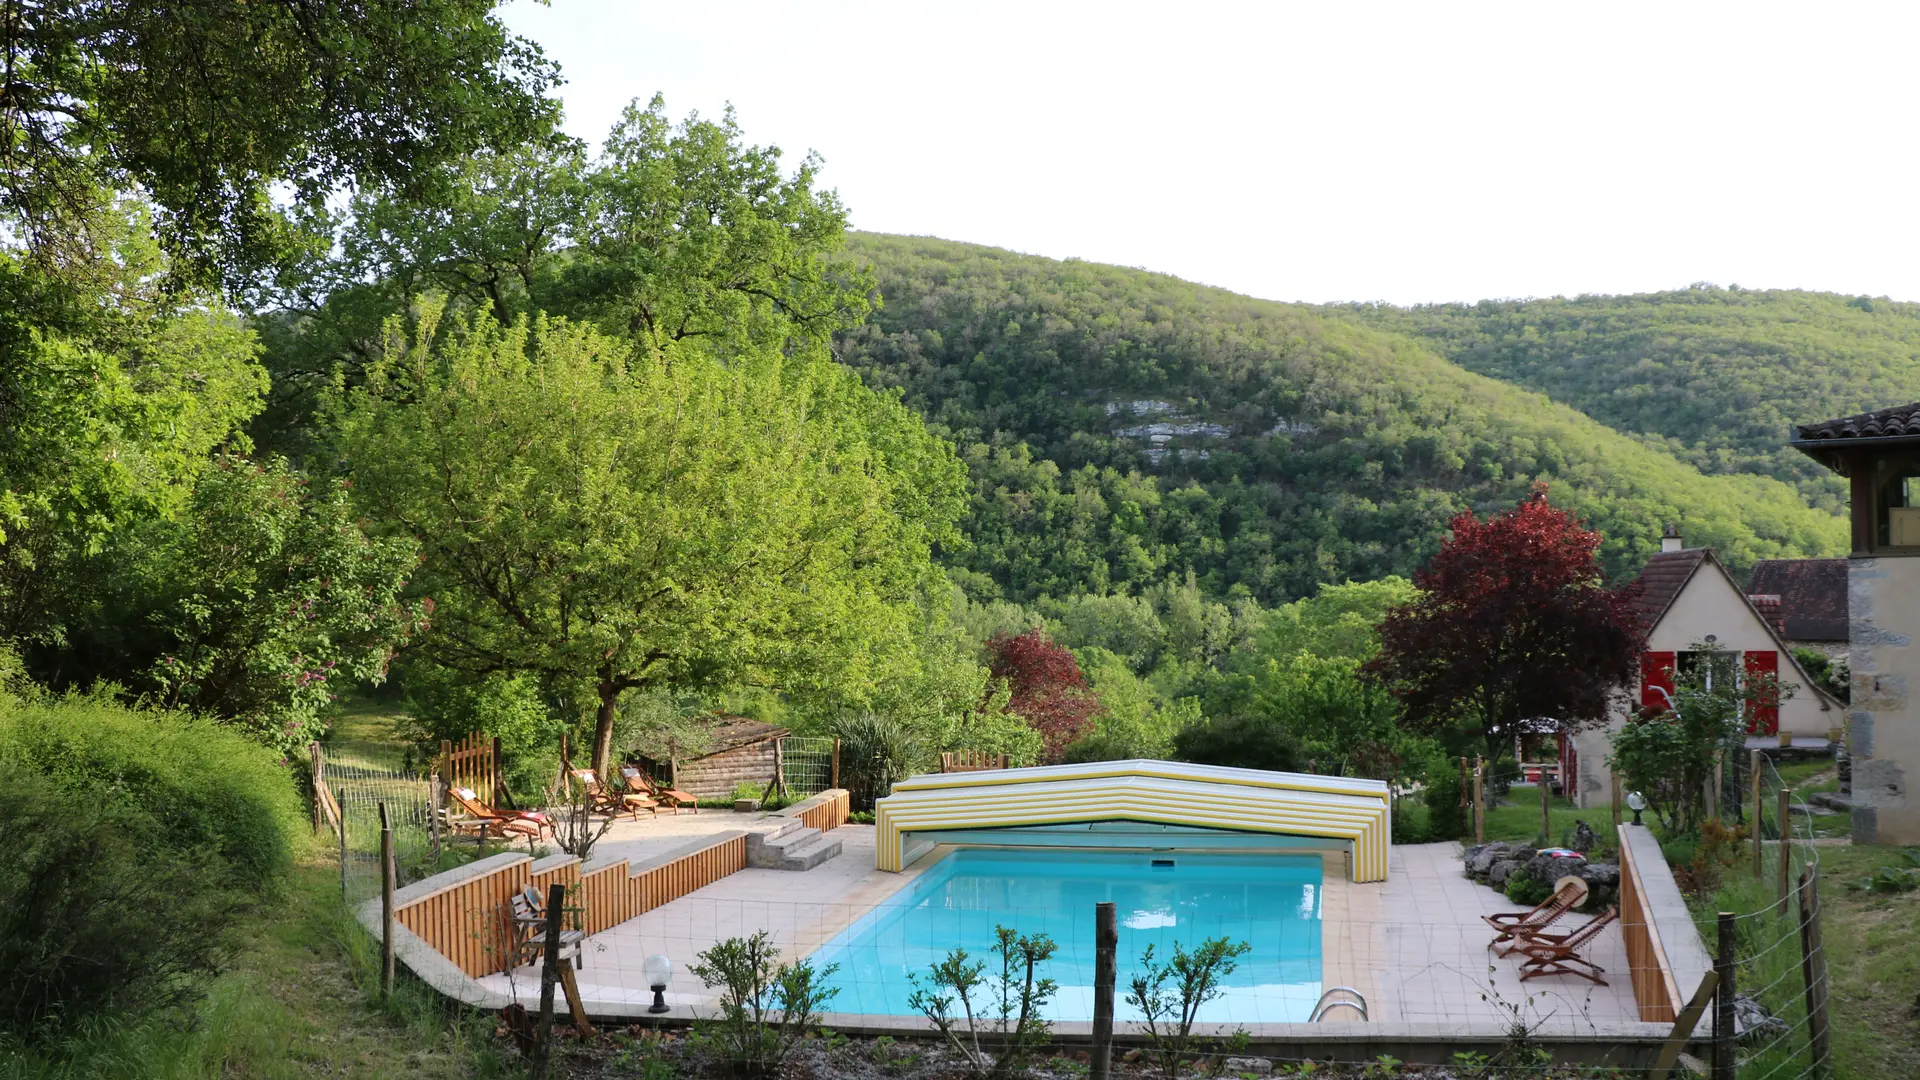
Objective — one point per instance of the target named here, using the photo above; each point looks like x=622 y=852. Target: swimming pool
x=1271 y=902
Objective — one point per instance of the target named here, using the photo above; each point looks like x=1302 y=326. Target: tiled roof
x=1901 y=421
x=1662 y=579
x=1813 y=595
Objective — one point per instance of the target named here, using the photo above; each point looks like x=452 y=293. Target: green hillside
x=1714 y=376
x=1122 y=426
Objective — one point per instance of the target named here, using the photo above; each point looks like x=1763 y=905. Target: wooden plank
x=1683 y=1026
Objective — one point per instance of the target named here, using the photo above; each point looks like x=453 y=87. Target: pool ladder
x=1323 y=1006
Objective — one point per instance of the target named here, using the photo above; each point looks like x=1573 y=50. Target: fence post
x=1786 y=849
x=500 y=792
x=549 y=973
x=386 y=901
x=1479 y=800
x=1546 y=809
x=1813 y=969
x=433 y=816
x=314 y=755
x=1713 y=793
x=1724 y=1041
x=446 y=761
x=834 y=781
x=1759 y=812
x=1106 y=942
x=1616 y=803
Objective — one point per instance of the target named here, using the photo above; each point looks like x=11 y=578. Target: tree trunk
x=603 y=726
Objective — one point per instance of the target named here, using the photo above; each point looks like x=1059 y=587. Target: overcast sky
x=1329 y=151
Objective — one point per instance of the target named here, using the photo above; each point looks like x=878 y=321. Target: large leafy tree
x=208 y=105
x=616 y=518
x=1513 y=621
x=1048 y=689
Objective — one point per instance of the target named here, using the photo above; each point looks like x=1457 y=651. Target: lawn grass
x=366 y=732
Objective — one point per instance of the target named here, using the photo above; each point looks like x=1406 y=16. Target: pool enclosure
x=1138 y=805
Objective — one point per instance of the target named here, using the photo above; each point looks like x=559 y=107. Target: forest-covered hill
x=1714 y=376
x=1122 y=426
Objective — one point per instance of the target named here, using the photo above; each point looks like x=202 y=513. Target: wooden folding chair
x=1559 y=954
x=491 y=822
x=529 y=911
x=1515 y=926
x=602 y=801
x=638 y=780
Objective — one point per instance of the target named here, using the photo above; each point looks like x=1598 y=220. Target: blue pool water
x=1271 y=902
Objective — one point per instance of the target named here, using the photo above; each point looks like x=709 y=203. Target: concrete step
x=798 y=847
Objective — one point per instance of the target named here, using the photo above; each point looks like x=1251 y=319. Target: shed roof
x=1813 y=595
x=734 y=732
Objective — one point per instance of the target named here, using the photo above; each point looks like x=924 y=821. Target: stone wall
x=1883 y=739
x=716 y=775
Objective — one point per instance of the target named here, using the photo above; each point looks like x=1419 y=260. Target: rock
x=1549 y=869
x=1751 y=1020
x=1600 y=875
x=1257 y=1066
x=1520 y=853
x=1481 y=859
x=1583 y=838
x=1499 y=872
x=1832 y=800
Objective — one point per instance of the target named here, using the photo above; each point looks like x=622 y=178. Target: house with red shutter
x=1698 y=619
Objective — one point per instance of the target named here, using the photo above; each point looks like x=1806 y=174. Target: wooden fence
x=473 y=762
x=466 y=920
x=970 y=761
x=1655 y=989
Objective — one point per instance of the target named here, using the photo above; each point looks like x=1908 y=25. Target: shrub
x=875 y=752
x=766 y=1007
x=1005 y=1007
x=1446 y=813
x=1523 y=890
x=1170 y=995
x=206 y=787
x=1242 y=740
x=98 y=915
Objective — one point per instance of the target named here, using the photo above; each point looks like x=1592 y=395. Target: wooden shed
x=740 y=751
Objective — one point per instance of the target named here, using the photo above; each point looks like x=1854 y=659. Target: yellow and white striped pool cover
x=1154 y=792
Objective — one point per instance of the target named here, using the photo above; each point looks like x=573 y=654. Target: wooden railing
x=827 y=810
x=465 y=917
x=473 y=762
x=1655 y=989
x=970 y=761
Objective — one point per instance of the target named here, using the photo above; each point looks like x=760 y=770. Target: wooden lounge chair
x=1516 y=926
x=493 y=822
x=638 y=780
x=602 y=801
x=1559 y=954
x=529 y=911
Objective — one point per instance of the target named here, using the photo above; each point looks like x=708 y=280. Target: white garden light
x=659 y=972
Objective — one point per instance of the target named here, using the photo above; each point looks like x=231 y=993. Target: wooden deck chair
x=638 y=780
x=602 y=801
x=527 y=823
x=529 y=912
x=1515 y=926
x=1559 y=954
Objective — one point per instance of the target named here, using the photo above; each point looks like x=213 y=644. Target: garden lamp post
x=1636 y=803
x=659 y=971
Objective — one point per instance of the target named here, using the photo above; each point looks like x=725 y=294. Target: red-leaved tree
x=1514 y=621
x=1048 y=689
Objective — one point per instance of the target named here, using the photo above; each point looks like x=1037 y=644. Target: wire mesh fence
x=359 y=792
x=806 y=764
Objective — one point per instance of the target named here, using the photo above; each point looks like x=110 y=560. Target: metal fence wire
x=806 y=764
x=359 y=791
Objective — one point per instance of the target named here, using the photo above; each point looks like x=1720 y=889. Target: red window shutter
x=1656 y=669
x=1763 y=715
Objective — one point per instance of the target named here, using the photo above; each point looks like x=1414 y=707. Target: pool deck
x=1424 y=964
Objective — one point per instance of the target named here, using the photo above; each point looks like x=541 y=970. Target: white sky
x=1333 y=151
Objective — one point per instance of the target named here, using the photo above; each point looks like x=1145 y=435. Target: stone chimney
x=1670 y=540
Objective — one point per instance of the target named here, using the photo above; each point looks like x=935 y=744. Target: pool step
x=796 y=847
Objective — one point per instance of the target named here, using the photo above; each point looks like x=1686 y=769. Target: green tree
x=213 y=108
x=620 y=519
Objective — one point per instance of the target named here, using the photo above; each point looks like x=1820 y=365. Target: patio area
x=1414 y=945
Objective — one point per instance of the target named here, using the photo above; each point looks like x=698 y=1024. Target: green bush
x=1446 y=817
x=1242 y=740
x=875 y=752
x=207 y=788
x=1522 y=889
x=99 y=914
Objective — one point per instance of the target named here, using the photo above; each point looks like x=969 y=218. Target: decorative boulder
x=1601 y=875
x=1481 y=859
x=1500 y=871
x=1551 y=868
